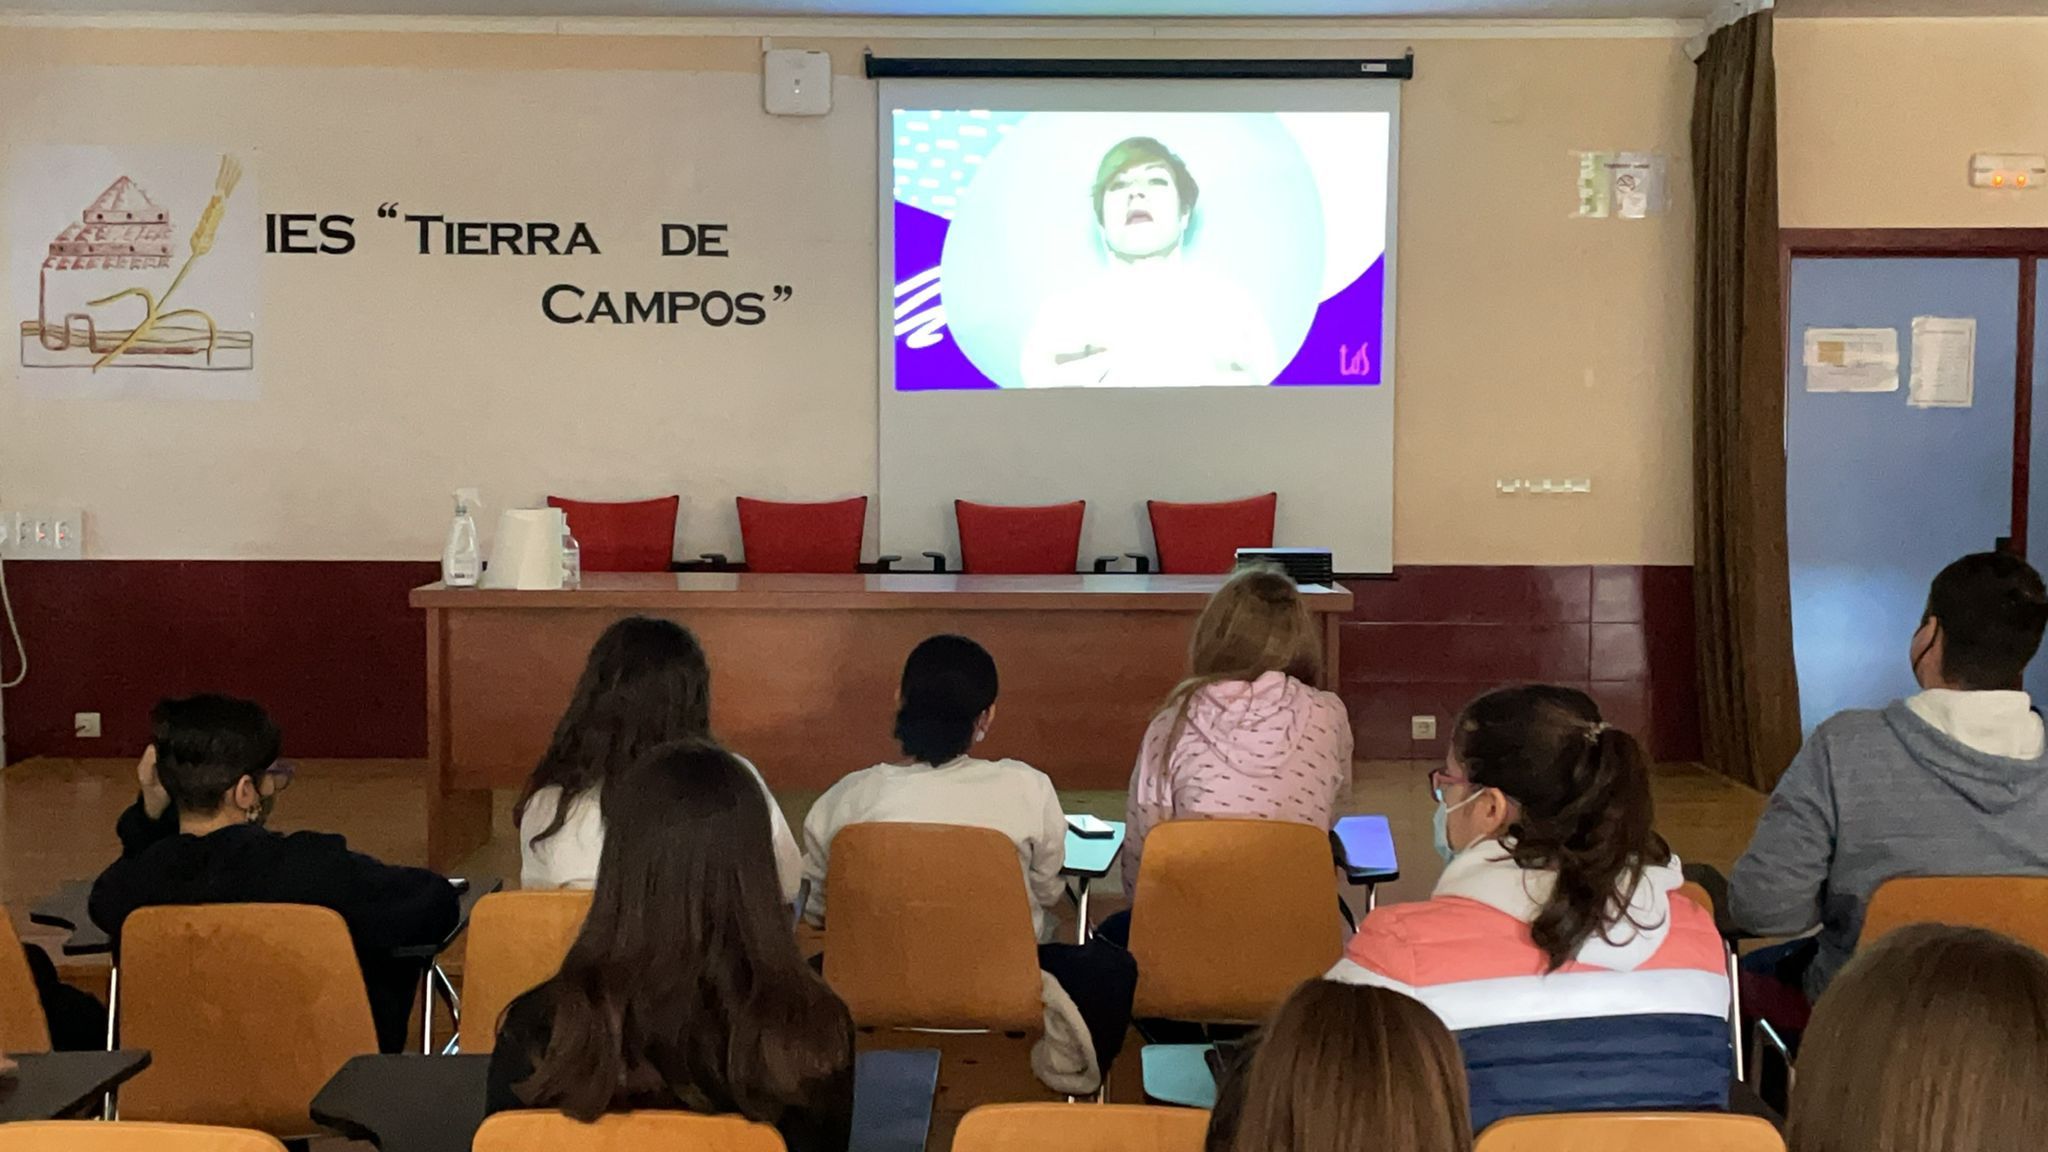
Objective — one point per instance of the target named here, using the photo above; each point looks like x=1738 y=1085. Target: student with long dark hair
x=1553 y=946
x=1933 y=1039
x=646 y=683
x=684 y=989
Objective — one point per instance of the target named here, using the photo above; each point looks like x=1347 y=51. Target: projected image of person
x=1153 y=317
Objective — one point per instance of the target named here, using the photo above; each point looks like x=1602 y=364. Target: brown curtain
x=1742 y=609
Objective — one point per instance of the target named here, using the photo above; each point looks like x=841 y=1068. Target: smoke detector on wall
x=796 y=83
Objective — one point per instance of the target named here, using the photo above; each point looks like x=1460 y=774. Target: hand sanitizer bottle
x=461 y=562
x=572 y=557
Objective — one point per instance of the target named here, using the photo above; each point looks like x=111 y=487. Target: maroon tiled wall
x=332 y=648
x=1427 y=640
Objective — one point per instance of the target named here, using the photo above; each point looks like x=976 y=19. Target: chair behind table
x=246 y=1010
x=22 y=1026
x=2015 y=906
x=1019 y=540
x=1105 y=1128
x=784 y=536
x=1204 y=538
x=517 y=941
x=131 y=1136
x=1230 y=915
x=623 y=536
x=624 y=1132
x=1631 y=1132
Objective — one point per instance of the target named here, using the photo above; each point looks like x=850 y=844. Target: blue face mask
x=1440 y=826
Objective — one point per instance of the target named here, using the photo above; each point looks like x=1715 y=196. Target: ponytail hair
x=948 y=682
x=1582 y=790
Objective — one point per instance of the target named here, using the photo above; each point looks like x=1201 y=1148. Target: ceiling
x=1142 y=9
x=1026 y=9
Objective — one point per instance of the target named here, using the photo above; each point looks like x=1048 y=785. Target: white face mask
x=1440 y=825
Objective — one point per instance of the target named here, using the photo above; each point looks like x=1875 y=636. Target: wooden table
x=436 y=1103
x=54 y=1085
x=804 y=669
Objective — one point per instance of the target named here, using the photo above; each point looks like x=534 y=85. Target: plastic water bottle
x=572 y=558
x=461 y=561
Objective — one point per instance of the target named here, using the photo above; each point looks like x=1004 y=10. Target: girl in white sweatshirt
x=646 y=683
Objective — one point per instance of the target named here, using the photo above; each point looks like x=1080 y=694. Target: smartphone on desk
x=1090 y=828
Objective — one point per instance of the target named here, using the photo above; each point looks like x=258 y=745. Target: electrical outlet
x=85 y=725
x=1422 y=727
x=42 y=535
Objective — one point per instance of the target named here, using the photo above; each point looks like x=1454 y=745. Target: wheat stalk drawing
x=202 y=243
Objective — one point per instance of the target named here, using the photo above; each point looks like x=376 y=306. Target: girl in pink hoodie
x=1245 y=735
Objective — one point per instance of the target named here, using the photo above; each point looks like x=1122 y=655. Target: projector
x=1305 y=565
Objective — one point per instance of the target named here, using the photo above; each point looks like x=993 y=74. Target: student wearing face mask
x=196 y=835
x=1951 y=781
x=1554 y=946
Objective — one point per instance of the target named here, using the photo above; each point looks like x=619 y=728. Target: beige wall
x=1532 y=344
x=1877 y=120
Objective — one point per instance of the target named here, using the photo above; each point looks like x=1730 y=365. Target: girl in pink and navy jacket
x=1556 y=947
x=1246 y=736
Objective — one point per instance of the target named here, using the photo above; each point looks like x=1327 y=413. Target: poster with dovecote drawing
x=134 y=272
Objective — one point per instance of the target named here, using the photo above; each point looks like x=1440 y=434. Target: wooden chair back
x=515 y=943
x=1104 y=1128
x=1631 y=1132
x=247 y=1010
x=929 y=926
x=1230 y=915
x=22 y=1027
x=624 y=1132
x=129 y=1136
x=2015 y=906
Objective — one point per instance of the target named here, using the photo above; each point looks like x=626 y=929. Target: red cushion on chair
x=630 y=536
x=786 y=537
x=1013 y=540
x=1198 y=538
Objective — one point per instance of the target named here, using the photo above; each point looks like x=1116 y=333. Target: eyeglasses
x=280 y=774
x=1438 y=777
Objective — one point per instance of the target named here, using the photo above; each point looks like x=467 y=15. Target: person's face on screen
x=1141 y=212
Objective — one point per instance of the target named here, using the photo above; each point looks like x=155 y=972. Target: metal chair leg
x=110 y=1105
x=1735 y=1012
x=427 y=1011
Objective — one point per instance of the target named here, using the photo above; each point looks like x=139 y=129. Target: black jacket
x=821 y=1120
x=386 y=907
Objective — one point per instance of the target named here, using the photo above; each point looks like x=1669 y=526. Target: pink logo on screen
x=1351 y=363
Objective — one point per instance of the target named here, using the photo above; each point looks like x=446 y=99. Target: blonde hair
x=1256 y=623
x=1933 y=1039
x=1349 y=1068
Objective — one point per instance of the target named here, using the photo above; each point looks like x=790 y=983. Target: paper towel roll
x=527 y=552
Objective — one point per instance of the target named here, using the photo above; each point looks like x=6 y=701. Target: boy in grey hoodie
x=1952 y=781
